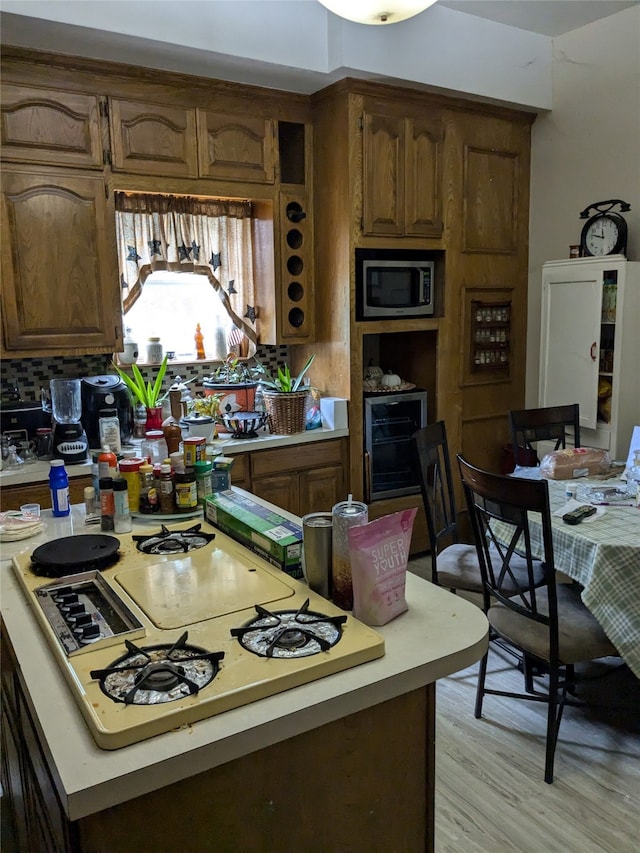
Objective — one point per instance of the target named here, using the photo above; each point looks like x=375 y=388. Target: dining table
x=601 y=553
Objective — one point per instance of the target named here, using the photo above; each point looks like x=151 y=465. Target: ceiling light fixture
x=376 y=11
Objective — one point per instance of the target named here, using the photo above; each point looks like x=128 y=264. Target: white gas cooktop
x=136 y=650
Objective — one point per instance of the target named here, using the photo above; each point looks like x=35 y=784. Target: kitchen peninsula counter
x=439 y=635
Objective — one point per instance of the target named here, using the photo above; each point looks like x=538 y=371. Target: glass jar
x=186 y=491
x=44 y=442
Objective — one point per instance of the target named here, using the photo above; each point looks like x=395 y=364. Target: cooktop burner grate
x=152 y=675
x=167 y=541
x=290 y=633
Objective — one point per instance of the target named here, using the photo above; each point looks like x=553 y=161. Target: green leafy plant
x=232 y=371
x=283 y=381
x=143 y=390
x=209 y=406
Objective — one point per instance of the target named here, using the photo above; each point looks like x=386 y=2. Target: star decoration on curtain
x=231 y=287
x=184 y=252
x=123 y=282
x=250 y=313
x=155 y=247
x=215 y=260
x=133 y=255
x=196 y=250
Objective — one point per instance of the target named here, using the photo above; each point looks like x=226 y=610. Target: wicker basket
x=285 y=411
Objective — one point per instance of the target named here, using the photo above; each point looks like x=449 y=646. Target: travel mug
x=316 y=551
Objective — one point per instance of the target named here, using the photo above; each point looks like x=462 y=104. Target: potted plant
x=284 y=399
x=147 y=393
x=235 y=383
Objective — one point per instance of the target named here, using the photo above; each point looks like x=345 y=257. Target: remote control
x=576 y=515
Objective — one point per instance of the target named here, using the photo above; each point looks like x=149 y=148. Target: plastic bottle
x=203 y=480
x=109 y=428
x=107 y=463
x=59 y=488
x=107 y=507
x=167 y=490
x=130 y=471
x=149 y=501
x=89 y=501
x=154 y=447
x=121 y=515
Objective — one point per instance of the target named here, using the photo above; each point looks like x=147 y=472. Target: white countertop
x=38 y=472
x=440 y=634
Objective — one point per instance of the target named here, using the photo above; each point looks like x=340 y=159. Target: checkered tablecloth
x=604 y=556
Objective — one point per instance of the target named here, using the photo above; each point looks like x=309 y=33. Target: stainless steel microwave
x=393 y=287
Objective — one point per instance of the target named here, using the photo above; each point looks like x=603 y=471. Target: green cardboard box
x=265 y=532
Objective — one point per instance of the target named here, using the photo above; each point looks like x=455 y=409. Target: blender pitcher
x=69 y=439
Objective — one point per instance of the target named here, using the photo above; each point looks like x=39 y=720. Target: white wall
x=586 y=150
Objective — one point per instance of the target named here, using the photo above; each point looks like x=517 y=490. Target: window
x=170 y=305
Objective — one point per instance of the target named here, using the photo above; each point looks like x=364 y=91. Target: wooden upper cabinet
x=60 y=291
x=402 y=163
x=51 y=127
x=235 y=147
x=153 y=139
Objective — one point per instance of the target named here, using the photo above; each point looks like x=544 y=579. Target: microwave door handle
x=426 y=288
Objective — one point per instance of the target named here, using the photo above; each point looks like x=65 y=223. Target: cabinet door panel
x=153 y=139
x=423 y=169
x=281 y=490
x=235 y=148
x=321 y=489
x=50 y=127
x=60 y=284
x=383 y=191
x=571 y=309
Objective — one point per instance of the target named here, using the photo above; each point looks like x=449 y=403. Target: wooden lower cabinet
x=302 y=478
x=12 y=497
x=364 y=782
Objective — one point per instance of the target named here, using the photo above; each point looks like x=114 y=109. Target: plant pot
x=285 y=411
x=234 y=397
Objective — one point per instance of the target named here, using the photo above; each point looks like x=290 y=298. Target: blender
x=69 y=439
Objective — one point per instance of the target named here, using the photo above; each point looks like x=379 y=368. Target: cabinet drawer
x=296 y=458
x=49 y=127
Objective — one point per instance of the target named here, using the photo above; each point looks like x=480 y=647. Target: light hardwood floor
x=490 y=793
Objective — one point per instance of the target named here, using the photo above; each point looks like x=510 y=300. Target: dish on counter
x=606 y=494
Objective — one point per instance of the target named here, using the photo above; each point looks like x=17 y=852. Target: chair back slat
x=499 y=508
x=529 y=426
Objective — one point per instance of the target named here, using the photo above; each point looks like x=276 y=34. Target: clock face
x=602 y=236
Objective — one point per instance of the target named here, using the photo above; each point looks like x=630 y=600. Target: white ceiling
x=547 y=17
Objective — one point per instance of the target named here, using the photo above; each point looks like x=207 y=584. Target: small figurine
x=199 y=339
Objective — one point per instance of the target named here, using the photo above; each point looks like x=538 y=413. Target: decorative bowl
x=244 y=424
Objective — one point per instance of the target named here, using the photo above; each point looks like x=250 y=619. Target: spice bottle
x=107 y=463
x=59 y=488
x=89 y=501
x=167 y=491
x=186 y=491
x=121 y=515
x=154 y=447
x=203 y=480
x=107 y=508
x=130 y=471
x=149 y=502
x=109 y=428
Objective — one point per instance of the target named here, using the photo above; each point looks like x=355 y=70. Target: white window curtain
x=184 y=234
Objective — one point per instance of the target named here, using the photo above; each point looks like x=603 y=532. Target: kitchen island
x=342 y=763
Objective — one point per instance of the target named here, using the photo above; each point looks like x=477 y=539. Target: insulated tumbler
x=346 y=514
x=316 y=551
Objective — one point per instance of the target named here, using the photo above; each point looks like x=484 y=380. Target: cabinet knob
x=594 y=350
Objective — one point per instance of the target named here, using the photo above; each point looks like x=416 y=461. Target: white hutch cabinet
x=590 y=346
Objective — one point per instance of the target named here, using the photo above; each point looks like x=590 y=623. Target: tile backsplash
x=31 y=374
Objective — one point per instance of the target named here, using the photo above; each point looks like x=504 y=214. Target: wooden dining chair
x=546 y=623
x=529 y=426
x=454 y=564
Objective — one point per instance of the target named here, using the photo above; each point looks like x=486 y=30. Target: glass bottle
x=345 y=514
x=121 y=514
x=186 y=491
x=167 y=491
x=109 y=429
x=149 y=502
x=107 y=508
x=154 y=447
